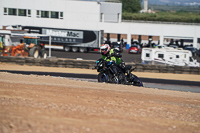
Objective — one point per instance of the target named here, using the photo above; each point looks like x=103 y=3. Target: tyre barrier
x=89 y=64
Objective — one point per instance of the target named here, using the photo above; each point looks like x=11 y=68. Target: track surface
x=45 y=104
x=178 y=85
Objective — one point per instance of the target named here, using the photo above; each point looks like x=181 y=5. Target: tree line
x=131 y=11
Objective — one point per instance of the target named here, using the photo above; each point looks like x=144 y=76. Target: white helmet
x=104 y=49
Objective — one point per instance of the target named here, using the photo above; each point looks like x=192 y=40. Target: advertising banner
x=63 y=36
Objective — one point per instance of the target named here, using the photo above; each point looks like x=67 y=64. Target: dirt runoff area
x=44 y=104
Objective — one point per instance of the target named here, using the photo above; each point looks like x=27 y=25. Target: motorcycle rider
x=106 y=53
x=112 y=55
x=115 y=55
x=108 y=56
x=121 y=64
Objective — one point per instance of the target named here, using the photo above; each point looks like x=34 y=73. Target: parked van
x=168 y=56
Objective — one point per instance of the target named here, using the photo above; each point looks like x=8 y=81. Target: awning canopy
x=177 y=37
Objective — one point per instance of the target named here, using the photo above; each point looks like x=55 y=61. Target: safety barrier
x=89 y=64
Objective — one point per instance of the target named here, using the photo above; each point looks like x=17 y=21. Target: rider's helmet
x=117 y=53
x=116 y=49
x=104 y=49
x=118 y=42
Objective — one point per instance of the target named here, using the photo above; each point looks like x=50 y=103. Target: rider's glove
x=118 y=55
x=108 y=57
x=122 y=65
x=112 y=54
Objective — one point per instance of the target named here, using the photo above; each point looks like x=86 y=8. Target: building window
x=5 y=11
x=102 y=17
x=119 y=17
x=29 y=13
x=17 y=12
x=61 y=15
x=177 y=56
x=38 y=13
x=54 y=15
x=12 y=11
x=44 y=14
x=21 y=12
x=49 y=14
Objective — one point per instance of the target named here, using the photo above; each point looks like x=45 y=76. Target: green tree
x=131 y=6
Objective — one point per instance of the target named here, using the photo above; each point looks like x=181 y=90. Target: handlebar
x=133 y=69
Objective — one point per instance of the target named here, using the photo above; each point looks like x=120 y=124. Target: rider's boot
x=130 y=77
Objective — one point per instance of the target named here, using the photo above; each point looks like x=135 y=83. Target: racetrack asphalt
x=93 y=76
x=179 y=82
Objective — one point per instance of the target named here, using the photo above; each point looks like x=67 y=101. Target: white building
x=88 y=15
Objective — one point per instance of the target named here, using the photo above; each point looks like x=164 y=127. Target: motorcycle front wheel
x=102 y=77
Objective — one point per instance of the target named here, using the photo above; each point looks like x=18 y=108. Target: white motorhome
x=168 y=56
